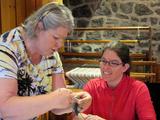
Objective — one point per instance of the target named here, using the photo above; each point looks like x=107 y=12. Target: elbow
x=5 y=114
x=9 y=114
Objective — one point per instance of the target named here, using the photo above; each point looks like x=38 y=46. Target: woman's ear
x=39 y=27
x=126 y=67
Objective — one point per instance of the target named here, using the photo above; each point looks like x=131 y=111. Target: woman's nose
x=105 y=66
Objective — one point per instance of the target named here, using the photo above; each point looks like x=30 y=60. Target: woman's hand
x=83 y=99
x=62 y=98
x=93 y=117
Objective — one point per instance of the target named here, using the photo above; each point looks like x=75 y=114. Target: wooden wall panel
x=14 y=12
x=45 y=1
x=30 y=6
x=38 y=3
x=8 y=15
x=20 y=11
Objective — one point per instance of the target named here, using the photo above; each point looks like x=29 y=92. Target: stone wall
x=106 y=13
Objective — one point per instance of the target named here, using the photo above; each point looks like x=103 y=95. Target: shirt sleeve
x=58 y=67
x=144 y=106
x=8 y=62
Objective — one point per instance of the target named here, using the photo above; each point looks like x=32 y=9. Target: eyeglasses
x=112 y=63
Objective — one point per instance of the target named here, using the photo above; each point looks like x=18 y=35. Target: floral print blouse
x=14 y=63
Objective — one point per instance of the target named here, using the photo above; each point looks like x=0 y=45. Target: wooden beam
x=30 y=7
x=8 y=15
x=78 y=61
x=98 y=54
x=99 y=41
x=112 y=28
x=20 y=11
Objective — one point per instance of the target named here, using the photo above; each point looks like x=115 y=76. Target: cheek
x=118 y=71
x=51 y=43
x=47 y=44
x=59 y=43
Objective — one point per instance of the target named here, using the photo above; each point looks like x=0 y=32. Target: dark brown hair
x=122 y=50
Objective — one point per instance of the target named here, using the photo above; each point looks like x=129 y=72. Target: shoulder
x=138 y=83
x=134 y=83
x=138 y=86
x=9 y=40
x=11 y=36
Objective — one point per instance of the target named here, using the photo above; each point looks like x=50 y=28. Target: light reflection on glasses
x=112 y=63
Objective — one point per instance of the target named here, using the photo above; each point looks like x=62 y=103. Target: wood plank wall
x=8 y=16
x=13 y=12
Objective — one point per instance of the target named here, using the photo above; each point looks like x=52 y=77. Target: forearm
x=62 y=111
x=58 y=81
x=20 y=108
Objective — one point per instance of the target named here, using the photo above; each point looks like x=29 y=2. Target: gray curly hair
x=52 y=15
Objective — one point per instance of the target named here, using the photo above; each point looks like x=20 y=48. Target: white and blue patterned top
x=15 y=63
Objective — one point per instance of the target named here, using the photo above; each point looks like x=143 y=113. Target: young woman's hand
x=83 y=99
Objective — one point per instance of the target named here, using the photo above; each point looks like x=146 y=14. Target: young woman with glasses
x=115 y=95
x=31 y=72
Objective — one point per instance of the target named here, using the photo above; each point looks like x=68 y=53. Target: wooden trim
x=8 y=15
x=20 y=12
x=98 y=54
x=38 y=4
x=80 y=62
x=30 y=7
x=112 y=28
x=99 y=41
x=149 y=63
x=142 y=74
x=141 y=63
x=81 y=54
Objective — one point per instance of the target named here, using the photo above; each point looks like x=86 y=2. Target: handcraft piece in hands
x=76 y=108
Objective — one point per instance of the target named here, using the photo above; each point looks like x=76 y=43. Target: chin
x=106 y=76
x=103 y=77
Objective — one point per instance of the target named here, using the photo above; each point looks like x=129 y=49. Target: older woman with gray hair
x=31 y=72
